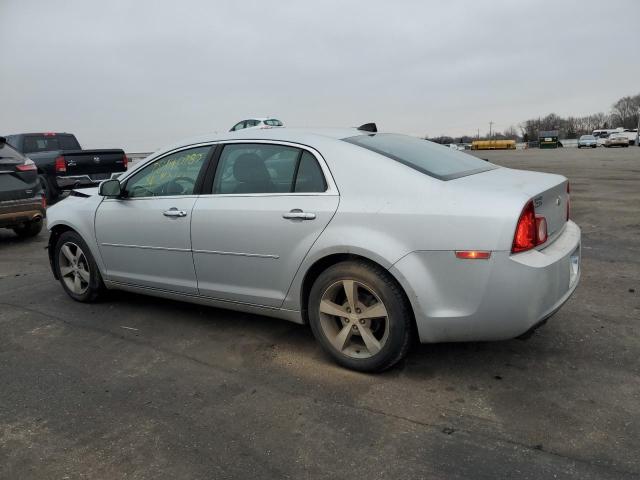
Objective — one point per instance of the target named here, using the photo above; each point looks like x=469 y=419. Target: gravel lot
x=137 y=387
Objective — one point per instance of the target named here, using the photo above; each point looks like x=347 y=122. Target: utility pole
x=638 y=132
x=478 y=134
x=490 y=129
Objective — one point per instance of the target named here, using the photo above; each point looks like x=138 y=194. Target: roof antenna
x=368 y=127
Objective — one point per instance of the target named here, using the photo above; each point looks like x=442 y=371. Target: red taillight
x=49 y=134
x=61 y=164
x=531 y=230
x=27 y=166
x=44 y=202
x=473 y=254
x=568 y=201
x=125 y=161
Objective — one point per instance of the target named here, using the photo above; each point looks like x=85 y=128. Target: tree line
x=623 y=113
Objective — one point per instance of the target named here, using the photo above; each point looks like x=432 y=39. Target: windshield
x=272 y=122
x=427 y=157
x=587 y=137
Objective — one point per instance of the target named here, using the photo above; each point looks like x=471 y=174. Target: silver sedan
x=370 y=238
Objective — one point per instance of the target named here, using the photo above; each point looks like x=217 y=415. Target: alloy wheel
x=354 y=319
x=74 y=268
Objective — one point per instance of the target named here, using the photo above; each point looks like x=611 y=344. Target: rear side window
x=265 y=168
x=310 y=177
x=427 y=157
x=46 y=143
x=272 y=122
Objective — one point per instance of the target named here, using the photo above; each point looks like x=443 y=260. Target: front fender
x=78 y=214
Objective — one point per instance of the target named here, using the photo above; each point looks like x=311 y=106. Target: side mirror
x=110 y=188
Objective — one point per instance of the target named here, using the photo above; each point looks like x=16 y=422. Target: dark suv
x=22 y=206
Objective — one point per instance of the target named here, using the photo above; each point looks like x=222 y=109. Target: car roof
x=261 y=119
x=304 y=136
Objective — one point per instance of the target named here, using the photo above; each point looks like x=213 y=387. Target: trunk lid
x=15 y=184
x=547 y=191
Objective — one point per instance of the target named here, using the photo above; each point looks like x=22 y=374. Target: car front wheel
x=77 y=269
x=360 y=316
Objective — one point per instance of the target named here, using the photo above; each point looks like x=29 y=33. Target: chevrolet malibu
x=371 y=238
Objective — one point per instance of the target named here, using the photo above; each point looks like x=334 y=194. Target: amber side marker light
x=473 y=254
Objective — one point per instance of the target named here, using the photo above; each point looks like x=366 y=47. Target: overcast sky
x=141 y=74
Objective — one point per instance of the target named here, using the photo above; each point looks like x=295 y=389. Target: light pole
x=638 y=131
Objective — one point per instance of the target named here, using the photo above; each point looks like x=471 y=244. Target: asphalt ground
x=139 y=387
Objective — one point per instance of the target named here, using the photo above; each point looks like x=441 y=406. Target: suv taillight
x=61 y=164
x=125 y=161
x=568 y=201
x=27 y=166
x=531 y=230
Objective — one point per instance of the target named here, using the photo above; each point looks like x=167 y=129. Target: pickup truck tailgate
x=98 y=164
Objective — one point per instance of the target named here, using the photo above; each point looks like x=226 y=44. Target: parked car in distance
x=266 y=122
x=22 y=206
x=631 y=134
x=587 y=141
x=305 y=225
x=616 y=140
x=62 y=164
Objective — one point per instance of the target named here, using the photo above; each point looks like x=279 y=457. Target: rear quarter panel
x=388 y=210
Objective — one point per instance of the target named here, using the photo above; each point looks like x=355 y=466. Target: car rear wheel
x=29 y=229
x=360 y=316
x=77 y=269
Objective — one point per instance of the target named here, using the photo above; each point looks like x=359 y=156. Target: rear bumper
x=17 y=212
x=495 y=299
x=75 y=181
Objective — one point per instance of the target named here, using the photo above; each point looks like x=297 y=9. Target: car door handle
x=174 y=213
x=297 y=214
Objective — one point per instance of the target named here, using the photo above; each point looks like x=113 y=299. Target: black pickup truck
x=63 y=165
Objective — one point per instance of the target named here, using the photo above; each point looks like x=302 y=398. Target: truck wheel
x=77 y=269
x=29 y=229
x=360 y=316
x=50 y=193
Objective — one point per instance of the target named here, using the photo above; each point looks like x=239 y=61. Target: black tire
x=48 y=190
x=399 y=320
x=29 y=229
x=95 y=288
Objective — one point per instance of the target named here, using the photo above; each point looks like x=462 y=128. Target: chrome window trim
x=332 y=188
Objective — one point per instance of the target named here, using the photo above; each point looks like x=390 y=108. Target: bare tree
x=624 y=112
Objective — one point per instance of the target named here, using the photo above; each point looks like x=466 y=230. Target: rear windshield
x=427 y=157
x=46 y=143
x=272 y=122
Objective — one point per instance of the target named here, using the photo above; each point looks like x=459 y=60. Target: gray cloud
x=146 y=73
